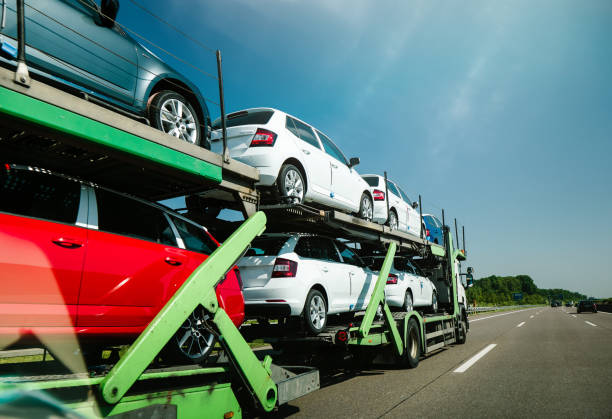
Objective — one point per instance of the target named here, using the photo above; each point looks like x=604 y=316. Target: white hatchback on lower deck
x=289 y=275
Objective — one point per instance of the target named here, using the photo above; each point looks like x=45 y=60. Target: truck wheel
x=412 y=351
x=461 y=332
x=315 y=312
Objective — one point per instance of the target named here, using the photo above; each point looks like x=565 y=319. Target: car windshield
x=266 y=246
x=257 y=117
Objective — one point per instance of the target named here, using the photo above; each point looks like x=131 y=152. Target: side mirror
x=470 y=270
x=469 y=279
x=415 y=205
x=108 y=12
x=354 y=161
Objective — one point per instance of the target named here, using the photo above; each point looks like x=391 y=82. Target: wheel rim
x=294 y=185
x=366 y=208
x=178 y=121
x=413 y=343
x=393 y=221
x=408 y=303
x=194 y=339
x=434 y=302
x=317 y=312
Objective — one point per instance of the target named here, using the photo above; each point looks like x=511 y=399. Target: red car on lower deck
x=79 y=259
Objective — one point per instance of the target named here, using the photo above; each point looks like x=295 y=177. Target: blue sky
x=498 y=112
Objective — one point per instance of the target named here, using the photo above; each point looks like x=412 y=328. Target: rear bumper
x=267 y=310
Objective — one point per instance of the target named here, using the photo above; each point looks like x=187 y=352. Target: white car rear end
x=271 y=140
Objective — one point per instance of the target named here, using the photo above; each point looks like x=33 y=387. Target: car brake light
x=263 y=138
x=284 y=268
x=378 y=195
x=427 y=231
x=7 y=166
x=392 y=279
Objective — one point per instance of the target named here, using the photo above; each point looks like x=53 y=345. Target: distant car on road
x=555 y=304
x=587 y=305
x=569 y=304
x=77 y=45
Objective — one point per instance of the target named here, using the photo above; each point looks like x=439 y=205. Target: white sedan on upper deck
x=298 y=160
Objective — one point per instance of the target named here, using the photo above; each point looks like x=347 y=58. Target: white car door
x=314 y=159
x=362 y=280
x=347 y=186
x=335 y=279
x=395 y=201
x=413 y=215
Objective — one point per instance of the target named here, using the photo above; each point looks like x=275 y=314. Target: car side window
x=317 y=248
x=39 y=195
x=393 y=189
x=348 y=256
x=302 y=131
x=128 y=217
x=194 y=237
x=405 y=197
x=331 y=149
x=408 y=267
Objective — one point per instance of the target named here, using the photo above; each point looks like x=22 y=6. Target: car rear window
x=266 y=246
x=235 y=119
x=39 y=195
x=319 y=248
x=372 y=180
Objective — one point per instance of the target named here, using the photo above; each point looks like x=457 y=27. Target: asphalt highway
x=542 y=362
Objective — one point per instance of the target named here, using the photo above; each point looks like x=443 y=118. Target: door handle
x=352 y=274
x=305 y=151
x=324 y=269
x=335 y=166
x=67 y=243
x=172 y=262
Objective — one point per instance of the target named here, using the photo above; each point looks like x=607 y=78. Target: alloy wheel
x=194 y=339
x=178 y=121
x=294 y=185
x=317 y=312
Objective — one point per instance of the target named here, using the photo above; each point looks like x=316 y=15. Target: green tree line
x=498 y=290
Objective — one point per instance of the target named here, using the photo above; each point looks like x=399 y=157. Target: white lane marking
x=592 y=324
x=502 y=314
x=531 y=317
x=573 y=315
x=521 y=324
x=467 y=364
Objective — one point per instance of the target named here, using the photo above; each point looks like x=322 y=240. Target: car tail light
x=378 y=195
x=263 y=138
x=392 y=279
x=284 y=268
x=427 y=232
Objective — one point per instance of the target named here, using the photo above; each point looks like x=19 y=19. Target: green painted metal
x=24 y=107
x=437 y=250
x=255 y=372
x=209 y=401
x=378 y=297
x=197 y=289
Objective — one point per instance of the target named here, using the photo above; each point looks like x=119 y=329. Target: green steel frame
x=44 y=114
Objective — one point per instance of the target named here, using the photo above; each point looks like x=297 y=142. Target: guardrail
x=473 y=310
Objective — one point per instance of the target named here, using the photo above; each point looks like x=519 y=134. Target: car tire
x=194 y=340
x=408 y=303
x=315 y=312
x=366 y=207
x=461 y=332
x=412 y=351
x=434 y=302
x=173 y=114
x=392 y=222
x=291 y=185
